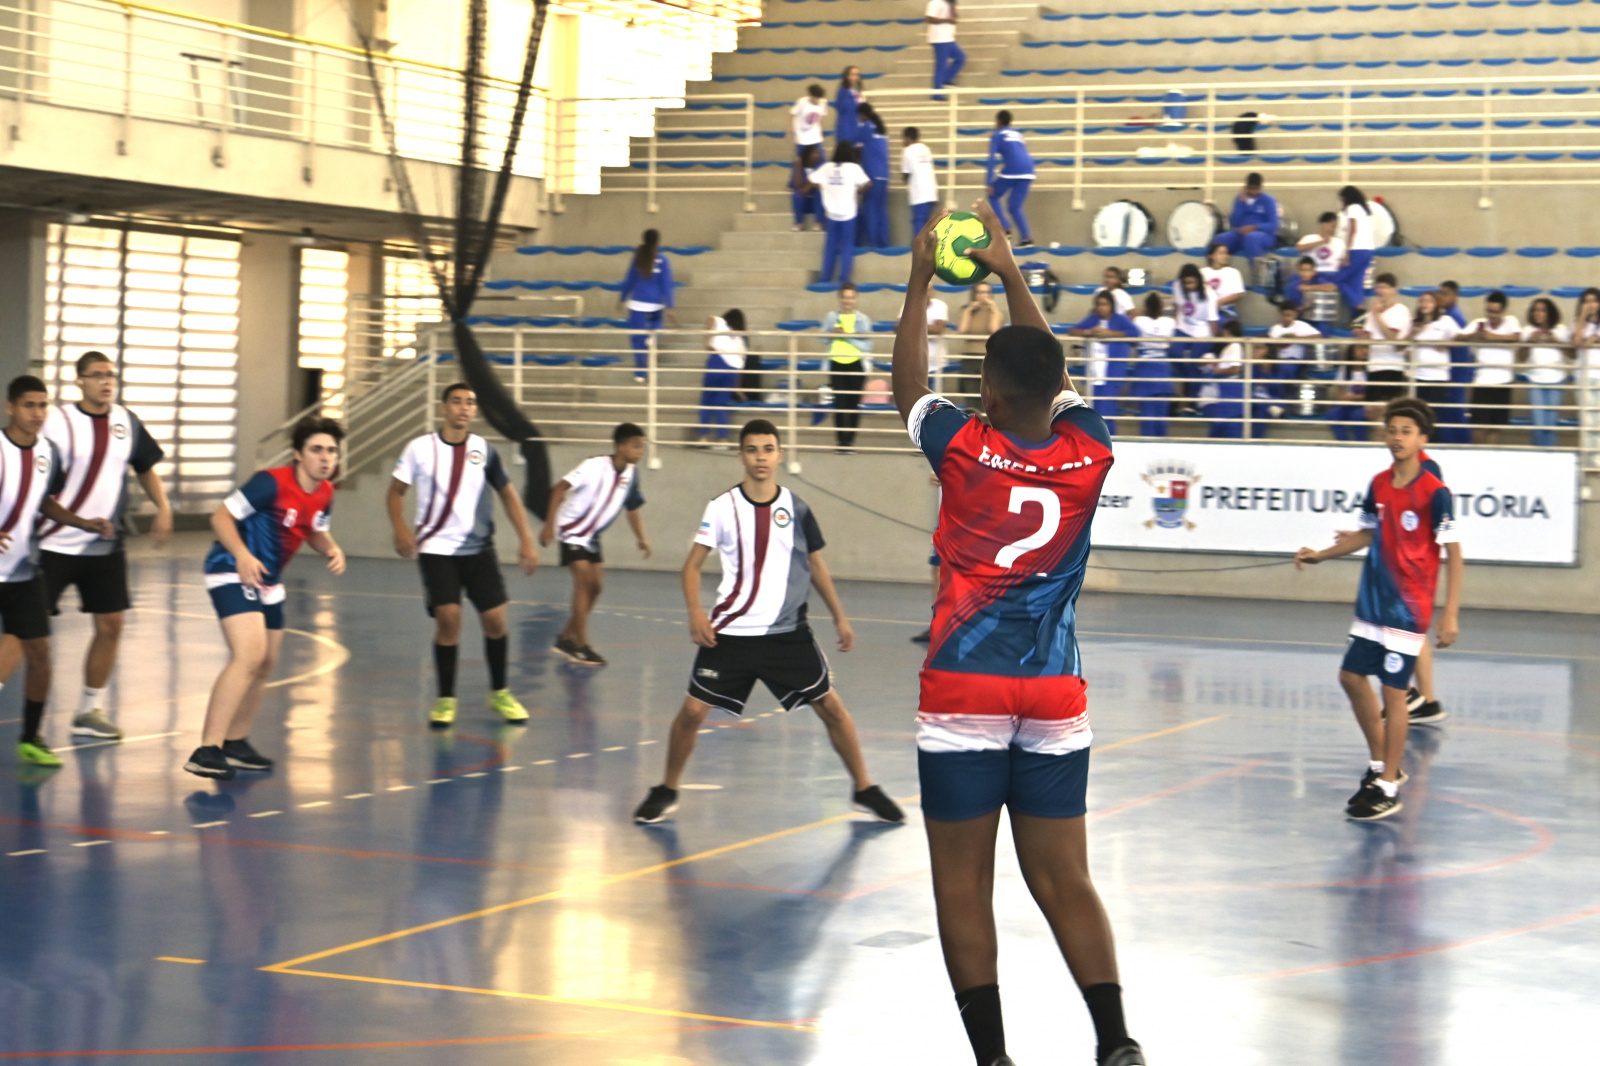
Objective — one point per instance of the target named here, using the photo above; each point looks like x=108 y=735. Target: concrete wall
x=268 y=304
x=22 y=265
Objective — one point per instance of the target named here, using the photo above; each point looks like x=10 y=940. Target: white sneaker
x=95 y=724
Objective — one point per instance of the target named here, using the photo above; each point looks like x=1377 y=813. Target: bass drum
x=1193 y=224
x=1122 y=224
x=1385 y=227
x=1288 y=231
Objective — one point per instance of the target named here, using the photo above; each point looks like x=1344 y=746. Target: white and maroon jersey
x=765 y=549
x=96 y=453
x=27 y=476
x=596 y=493
x=455 y=486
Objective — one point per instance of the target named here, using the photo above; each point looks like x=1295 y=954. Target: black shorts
x=445 y=577
x=102 y=581
x=1491 y=405
x=572 y=553
x=791 y=665
x=1385 y=385
x=24 y=608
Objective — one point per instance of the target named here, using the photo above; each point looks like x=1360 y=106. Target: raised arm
x=998 y=258
x=908 y=375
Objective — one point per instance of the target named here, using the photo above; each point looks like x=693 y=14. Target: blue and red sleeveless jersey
x=1401 y=577
x=275 y=515
x=1013 y=537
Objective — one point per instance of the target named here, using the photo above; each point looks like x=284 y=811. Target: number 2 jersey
x=1013 y=537
x=275 y=516
x=1400 y=578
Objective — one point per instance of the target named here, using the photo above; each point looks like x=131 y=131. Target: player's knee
x=447 y=622
x=494 y=622
x=37 y=654
x=693 y=712
x=830 y=709
x=108 y=626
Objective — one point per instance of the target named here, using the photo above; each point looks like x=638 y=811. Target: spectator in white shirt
x=1546 y=369
x=807 y=116
x=938 y=322
x=922 y=188
x=1225 y=282
x=1432 y=360
x=841 y=184
x=1114 y=283
x=1387 y=320
x=725 y=359
x=1586 y=337
x=948 y=58
x=1356 y=232
x=1325 y=248
x=1491 y=381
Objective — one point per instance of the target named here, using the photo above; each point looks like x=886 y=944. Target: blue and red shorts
x=985 y=741
x=230 y=597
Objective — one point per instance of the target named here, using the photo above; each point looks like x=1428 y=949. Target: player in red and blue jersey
x=259 y=528
x=1002 y=719
x=1407 y=515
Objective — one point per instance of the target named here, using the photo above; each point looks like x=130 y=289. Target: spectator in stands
x=840 y=184
x=1152 y=382
x=846 y=374
x=725 y=362
x=1290 y=358
x=1450 y=423
x=1387 y=320
x=1434 y=326
x=1344 y=410
x=1491 y=381
x=1221 y=396
x=1106 y=360
x=803 y=196
x=980 y=319
x=938 y=325
x=1356 y=233
x=922 y=187
x=1224 y=281
x=1009 y=177
x=1326 y=249
x=845 y=105
x=948 y=58
x=647 y=294
x=1253 y=222
x=806 y=120
x=1586 y=336
x=1195 y=311
x=873 y=231
x=1545 y=369
x=1115 y=282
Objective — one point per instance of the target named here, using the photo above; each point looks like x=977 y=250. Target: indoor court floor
x=396 y=896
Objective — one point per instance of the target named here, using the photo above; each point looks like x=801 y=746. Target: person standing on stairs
x=647 y=293
x=922 y=187
x=806 y=119
x=841 y=183
x=803 y=196
x=873 y=232
x=948 y=58
x=1010 y=177
x=846 y=374
x=850 y=98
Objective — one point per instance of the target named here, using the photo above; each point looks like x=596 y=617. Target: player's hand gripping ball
x=955 y=233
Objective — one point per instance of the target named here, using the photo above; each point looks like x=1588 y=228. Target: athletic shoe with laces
x=95 y=724
x=503 y=703
x=570 y=648
x=1127 y=1055
x=1366 y=781
x=1414 y=698
x=36 y=753
x=241 y=755
x=1427 y=713
x=589 y=657
x=661 y=802
x=874 y=801
x=1373 y=804
x=443 y=714
x=208 y=761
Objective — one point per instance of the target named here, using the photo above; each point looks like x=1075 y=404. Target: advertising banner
x=1511 y=506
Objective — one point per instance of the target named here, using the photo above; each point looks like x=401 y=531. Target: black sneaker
x=208 y=761
x=661 y=802
x=1427 y=713
x=873 y=800
x=241 y=756
x=925 y=637
x=587 y=656
x=1129 y=1054
x=1414 y=698
x=1367 y=780
x=1004 y=1060
x=1373 y=804
x=570 y=648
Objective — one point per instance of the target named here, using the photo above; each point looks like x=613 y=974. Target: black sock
x=494 y=649
x=1105 y=1007
x=980 y=1013
x=444 y=665
x=32 y=716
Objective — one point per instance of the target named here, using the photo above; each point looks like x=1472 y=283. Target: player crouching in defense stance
x=1002 y=719
x=259 y=528
x=1407 y=515
x=770 y=547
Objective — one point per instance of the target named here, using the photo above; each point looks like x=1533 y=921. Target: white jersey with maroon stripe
x=96 y=453
x=765 y=549
x=596 y=493
x=455 y=508
x=27 y=476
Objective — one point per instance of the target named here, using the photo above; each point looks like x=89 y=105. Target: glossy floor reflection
x=392 y=895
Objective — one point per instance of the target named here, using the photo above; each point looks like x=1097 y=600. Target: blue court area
x=392 y=895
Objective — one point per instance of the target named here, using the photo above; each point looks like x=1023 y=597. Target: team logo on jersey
x=1170 y=484
x=119 y=431
x=781 y=517
x=41 y=463
x=475 y=457
x=1409 y=520
x=1393 y=663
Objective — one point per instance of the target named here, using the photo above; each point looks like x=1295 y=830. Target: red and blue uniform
x=1002 y=717
x=1400 y=579
x=275 y=516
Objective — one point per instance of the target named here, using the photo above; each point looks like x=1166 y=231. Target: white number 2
x=1050 y=503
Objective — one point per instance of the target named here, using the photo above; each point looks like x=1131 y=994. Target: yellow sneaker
x=503 y=703
x=443 y=713
x=36 y=753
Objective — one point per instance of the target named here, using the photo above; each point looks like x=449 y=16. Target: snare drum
x=1288 y=231
x=1193 y=224
x=1122 y=224
x=1322 y=307
x=1385 y=227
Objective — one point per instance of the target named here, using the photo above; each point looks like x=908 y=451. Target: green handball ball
x=956 y=232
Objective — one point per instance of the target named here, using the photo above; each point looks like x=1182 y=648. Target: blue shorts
x=233 y=598
x=1371 y=659
x=960 y=785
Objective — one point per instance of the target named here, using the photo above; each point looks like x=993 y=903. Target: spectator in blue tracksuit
x=1221 y=397
x=1106 y=359
x=851 y=96
x=1451 y=427
x=1010 y=176
x=873 y=230
x=948 y=58
x=1253 y=222
x=647 y=293
x=725 y=362
x=802 y=194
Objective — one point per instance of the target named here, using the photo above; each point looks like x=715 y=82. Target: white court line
x=124 y=740
x=642 y=743
x=263 y=814
x=508 y=769
x=437 y=781
x=90 y=843
x=544 y=762
x=617 y=748
x=208 y=825
x=480 y=773
x=400 y=788
x=30 y=851
x=579 y=755
x=315 y=803
x=707 y=731
x=358 y=795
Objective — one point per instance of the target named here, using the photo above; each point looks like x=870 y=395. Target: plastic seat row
x=1177 y=97
x=1165 y=128
x=1320 y=9
x=1304 y=38
x=1267 y=159
x=540 y=359
x=599 y=249
x=1251 y=68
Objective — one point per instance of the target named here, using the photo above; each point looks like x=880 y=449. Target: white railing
x=596 y=132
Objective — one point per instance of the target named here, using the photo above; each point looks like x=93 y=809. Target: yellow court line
x=567 y=1000
x=1099 y=749
x=174 y=958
